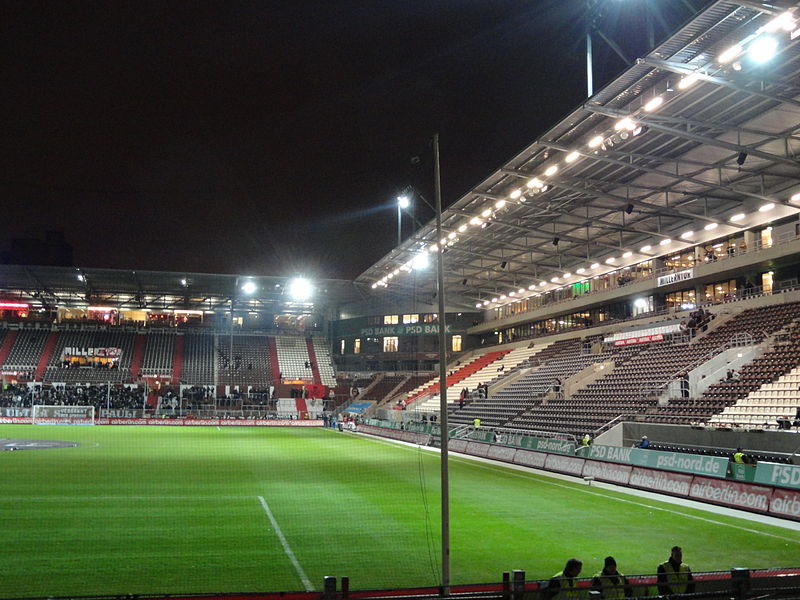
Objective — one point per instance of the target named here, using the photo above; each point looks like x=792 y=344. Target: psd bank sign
x=776 y=474
x=416 y=329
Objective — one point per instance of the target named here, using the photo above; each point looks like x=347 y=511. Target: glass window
x=357 y=346
x=391 y=319
x=766 y=282
x=390 y=344
x=766 y=237
x=456 y=343
x=408 y=319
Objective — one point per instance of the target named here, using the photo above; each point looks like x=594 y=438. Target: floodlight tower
x=403 y=202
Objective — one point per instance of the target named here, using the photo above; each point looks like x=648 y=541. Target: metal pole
x=589 y=87
x=399 y=223
x=445 y=475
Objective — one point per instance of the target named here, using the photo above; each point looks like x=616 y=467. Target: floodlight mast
x=443 y=427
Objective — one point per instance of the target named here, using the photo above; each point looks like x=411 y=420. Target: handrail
x=607 y=426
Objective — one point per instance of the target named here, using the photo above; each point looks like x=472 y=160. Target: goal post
x=43 y=414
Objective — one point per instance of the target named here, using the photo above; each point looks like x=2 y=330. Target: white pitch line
x=286 y=548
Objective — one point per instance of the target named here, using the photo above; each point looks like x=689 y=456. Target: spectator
x=674 y=576
x=644 y=444
x=564 y=584
x=610 y=582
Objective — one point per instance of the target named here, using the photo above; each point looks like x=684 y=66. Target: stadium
x=593 y=352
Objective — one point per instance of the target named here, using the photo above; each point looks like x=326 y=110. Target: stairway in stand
x=177 y=358
x=312 y=358
x=47 y=352
x=5 y=350
x=138 y=356
x=272 y=349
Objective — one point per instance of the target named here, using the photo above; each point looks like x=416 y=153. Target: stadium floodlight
x=729 y=54
x=571 y=157
x=611 y=260
x=553 y=279
x=646 y=248
x=783 y=21
x=687 y=234
x=766 y=207
x=515 y=194
x=534 y=183
x=762 y=49
x=249 y=287
x=625 y=124
x=403 y=201
x=653 y=104
x=567 y=275
x=580 y=271
x=711 y=226
x=627 y=254
x=551 y=170
x=300 y=289
x=595 y=141
x=594 y=266
x=542 y=283
x=486 y=212
x=737 y=217
x=499 y=204
x=665 y=242
x=494 y=299
x=420 y=261
x=688 y=81
x=462 y=228
x=795 y=198
x=521 y=291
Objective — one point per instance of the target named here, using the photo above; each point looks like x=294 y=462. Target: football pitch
x=243 y=509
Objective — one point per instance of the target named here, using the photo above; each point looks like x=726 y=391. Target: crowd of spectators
x=99 y=396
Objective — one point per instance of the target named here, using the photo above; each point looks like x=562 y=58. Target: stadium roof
x=163 y=290
x=660 y=159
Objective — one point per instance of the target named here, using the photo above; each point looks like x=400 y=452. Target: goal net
x=62 y=415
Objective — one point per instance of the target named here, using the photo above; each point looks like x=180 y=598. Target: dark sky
x=270 y=138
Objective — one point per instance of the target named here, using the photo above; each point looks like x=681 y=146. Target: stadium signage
x=404 y=330
x=644 y=339
x=785 y=502
x=731 y=493
x=661 y=481
x=547 y=445
x=604 y=471
x=712 y=466
x=780 y=475
x=99 y=352
x=675 y=277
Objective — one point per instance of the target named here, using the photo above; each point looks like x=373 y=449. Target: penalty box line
x=286 y=547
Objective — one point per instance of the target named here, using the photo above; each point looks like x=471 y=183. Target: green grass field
x=172 y=509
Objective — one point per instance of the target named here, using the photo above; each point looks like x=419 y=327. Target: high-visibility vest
x=476 y=423
x=738 y=457
x=678 y=580
x=609 y=588
x=568 y=588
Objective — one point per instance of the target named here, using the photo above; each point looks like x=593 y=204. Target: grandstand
x=634 y=271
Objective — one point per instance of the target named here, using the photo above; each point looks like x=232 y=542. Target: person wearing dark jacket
x=675 y=576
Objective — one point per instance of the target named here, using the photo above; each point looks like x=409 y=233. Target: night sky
x=271 y=138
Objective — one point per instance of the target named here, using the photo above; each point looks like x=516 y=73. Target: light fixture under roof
x=795 y=198
x=462 y=228
x=646 y=248
x=766 y=207
x=595 y=141
x=711 y=226
x=551 y=170
x=653 y=104
x=487 y=212
x=729 y=54
x=521 y=291
x=688 y=81
x=494 y=299
x=594 y=266
x=627 y=254
x=567 y=275
x=553 y=279
x=451 y=235
x=542 y=283
x=515 y=194
x=737 y=217
x=499 y=204
x=625 y=124
x=532 y=286
x=763 y=49
x=475 y=221
x=581 y=270
x=687 y=234
x=665 y=242
x=534 y=183
x=571 y=157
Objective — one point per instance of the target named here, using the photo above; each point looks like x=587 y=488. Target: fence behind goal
x=43 y=414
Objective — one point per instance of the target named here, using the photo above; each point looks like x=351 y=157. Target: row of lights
x=686 y=235
x=761 y=47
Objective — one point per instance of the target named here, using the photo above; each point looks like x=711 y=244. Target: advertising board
x=564 y=464
x=785 y=503
x=787 y=476
x=530 y=459
x=604 y=471
x=504 y=453
x=660 y=481
x=731 y=493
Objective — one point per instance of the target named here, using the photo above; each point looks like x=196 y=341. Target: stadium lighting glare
x=653 y=104
x=729 y=54
x=486 y=303
x=81 y=277
x=500 y=204
x=595 y=141
x=486 y=213
x=640 y=303
x=374 y=285
x=627 y=254
x=403 y=201
x=626 y=124
x=567 y=275
x=249 y=287
x=762 y=49
x=502 y=296
x=542 y=283
x=783 y=21
x=711 y=226
x=478 y=305
x=494 y=299
x=688 y=81
x=515 y=194
x=611 y=260
x=594 y=266
x=687 y=234
x=571 y=157
x=532 y=286
x=184 y=283
x=665 y=242
x=553 y=279
x=462 y=228
x=420 y=261
x=766 y=207
x=475 y=221
x=737 y=217
x=390 y=275
x=580 y=271
x=534 y=183
x=433 y=248
x=551 y=170
x=300 y=289
x=451 y=235
x=795 y=198
x=646 y=248
x=512 y=293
